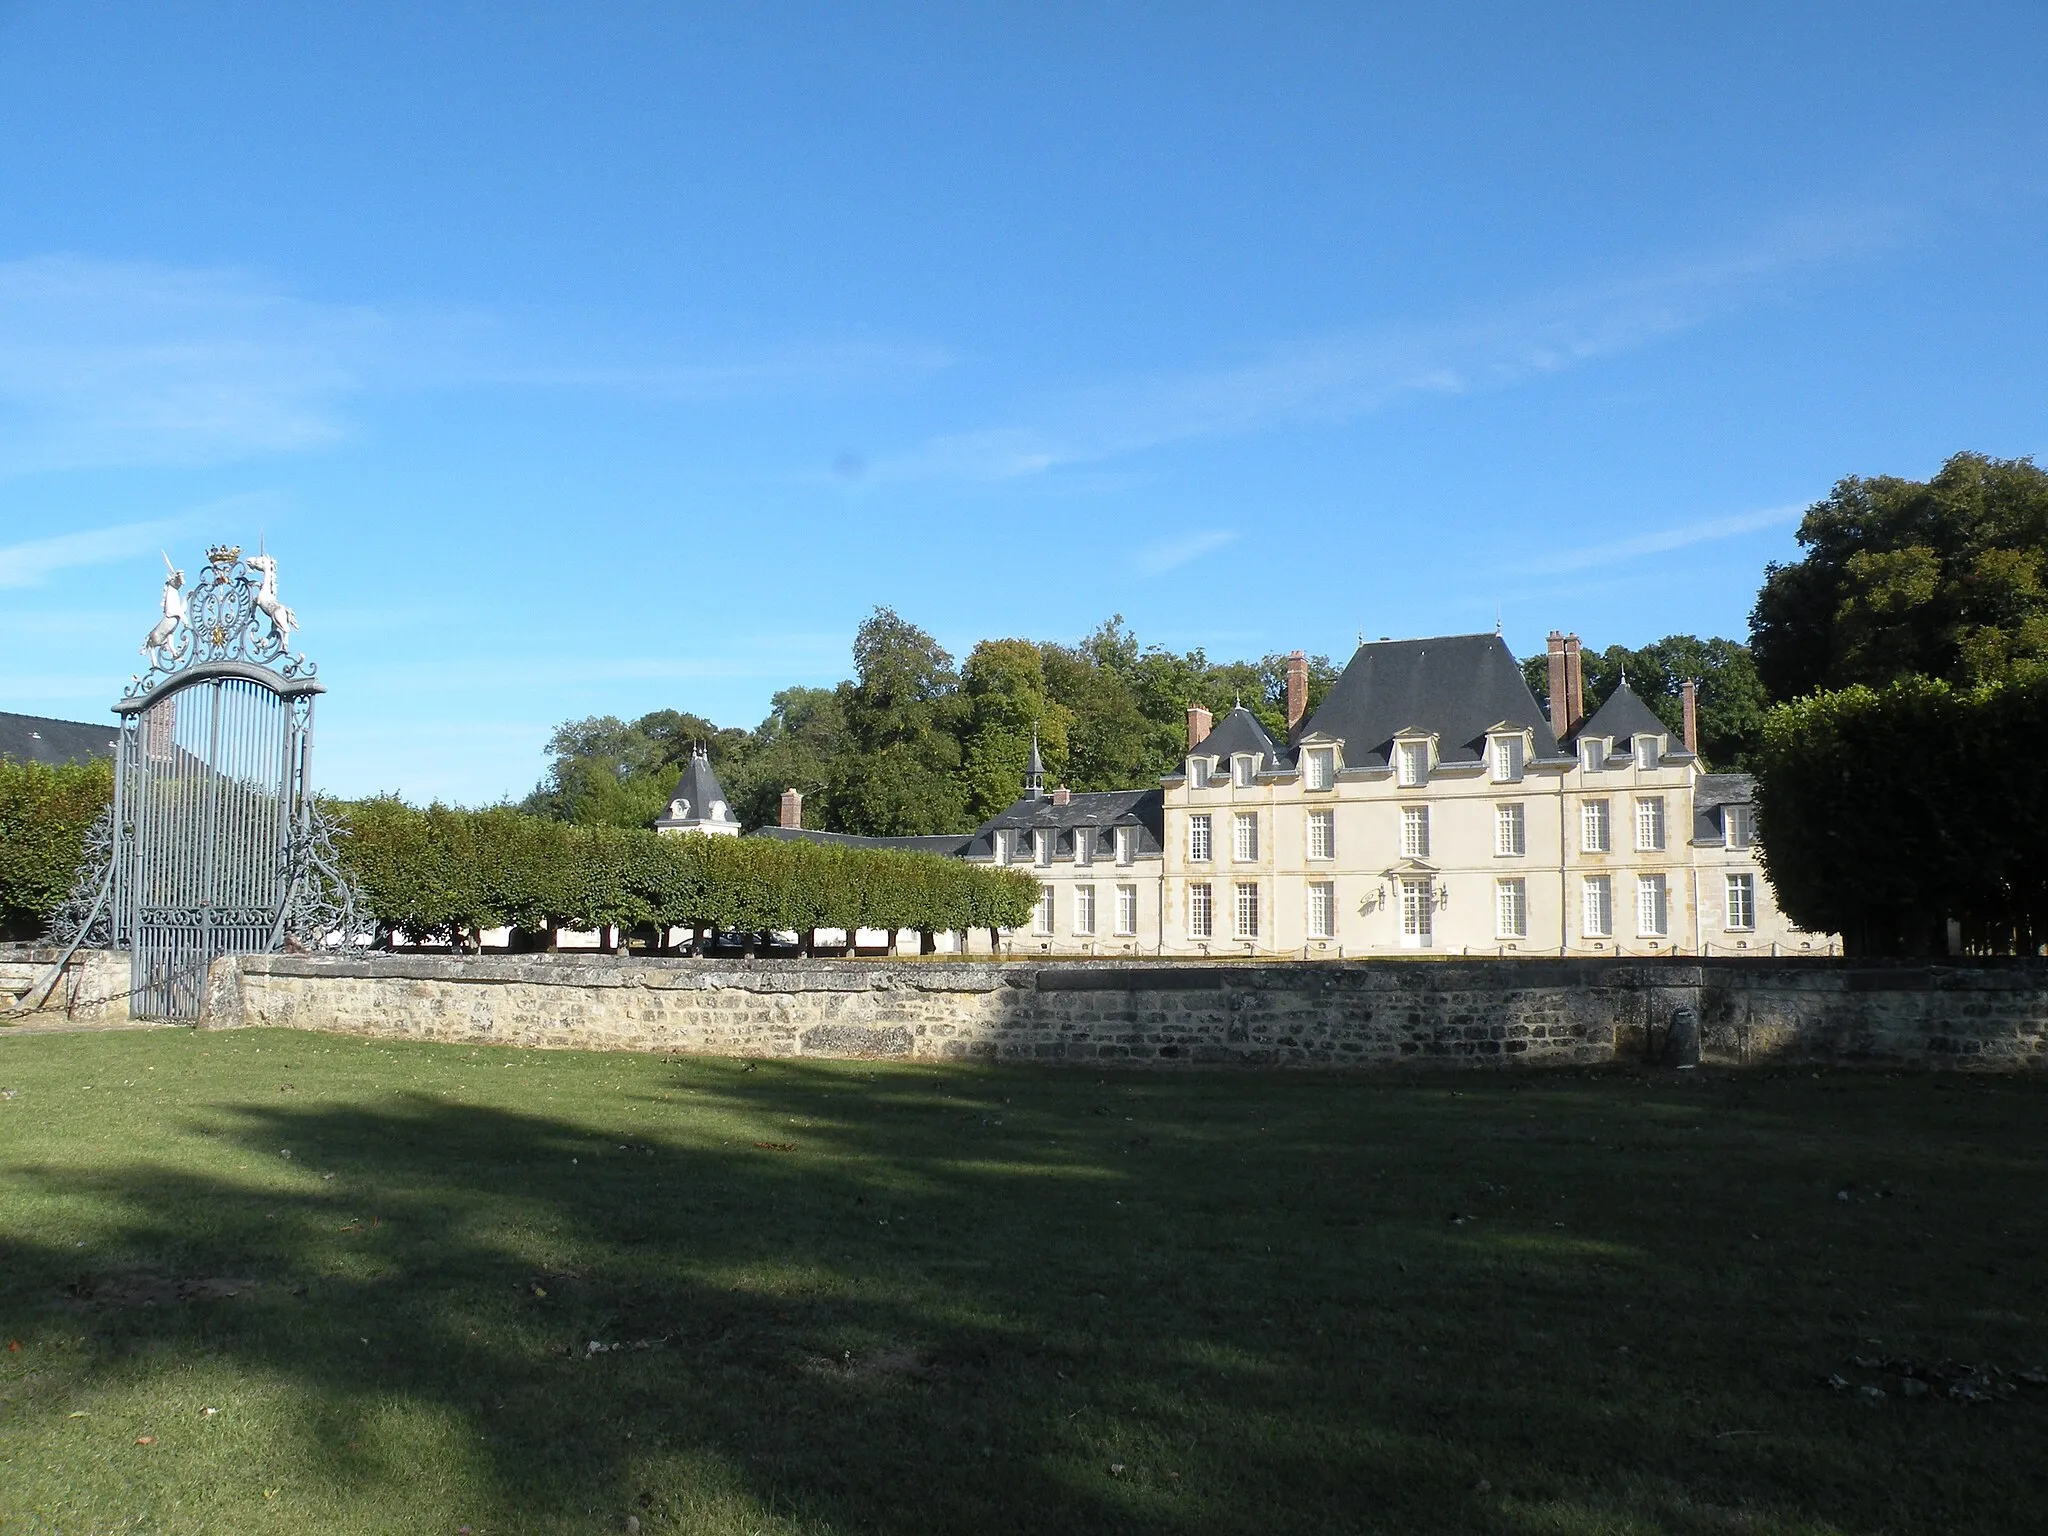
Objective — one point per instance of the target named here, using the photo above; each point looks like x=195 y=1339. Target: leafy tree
x=902 y=712
x=1731 y=698
x=1942 y=578
x=1004 y=688
x=796 y=747
x=45 y=813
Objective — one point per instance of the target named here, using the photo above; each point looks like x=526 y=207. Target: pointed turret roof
x=698 y=796
x=1240 y=731
x=1624 y=717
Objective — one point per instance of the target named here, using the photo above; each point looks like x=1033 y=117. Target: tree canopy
x=1731 y=698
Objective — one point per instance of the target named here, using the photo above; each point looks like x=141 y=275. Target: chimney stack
x=1567 y=684
x=1689 y=696
x=1061 y=795
x=1575 y=682
x=793 y=809
x=1297 y=692
x=1198 y=726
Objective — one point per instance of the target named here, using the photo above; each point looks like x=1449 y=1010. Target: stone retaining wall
x=1336 y=1014
x=94 y=984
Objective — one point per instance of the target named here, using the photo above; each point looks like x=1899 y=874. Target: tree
x=1731 y=698
x=1941 y=578
x=1003 y=685
x=796 y=747
x=901 y=777
x=604 y=772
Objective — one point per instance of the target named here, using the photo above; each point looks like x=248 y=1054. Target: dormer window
x=1084 y=846
x=1123 y=845
x=1507 y=759
x=1241 y=767
x=1319 y=768
x=1593 y=754
x=1738 y=825
x=1648 y=750
x=1041 y=847
x=1411 y=763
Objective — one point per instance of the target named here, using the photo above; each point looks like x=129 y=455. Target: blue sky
x=582 y=360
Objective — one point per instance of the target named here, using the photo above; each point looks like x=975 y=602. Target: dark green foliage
x=1884 y=814
x=45 y=813
x=1731 y=698
x=1940 y=578
x=449 y=874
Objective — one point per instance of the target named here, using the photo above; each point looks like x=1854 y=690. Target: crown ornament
x=224 y=554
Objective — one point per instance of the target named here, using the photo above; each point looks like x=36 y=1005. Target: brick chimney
x=1575 y=681
x=1061 y=795
x=792 y=808
x=1198 y=726
x=1689 y=697
x=1567 y=684
x=1297 y=692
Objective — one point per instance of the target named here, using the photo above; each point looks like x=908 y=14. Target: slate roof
x=35 y=739
x=1623 y=717
x=949 y=844
x=699 y=790
x=1455 y=686
x=1240 y=731
x=1711 y=791
x=1140 y=809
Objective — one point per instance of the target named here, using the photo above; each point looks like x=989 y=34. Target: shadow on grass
x=978 y=1301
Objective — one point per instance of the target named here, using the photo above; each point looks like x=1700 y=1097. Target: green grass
x=990 y=1299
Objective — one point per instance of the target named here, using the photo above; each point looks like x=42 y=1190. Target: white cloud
x=31 y=563
x=1156 y=559
x=1661 y=540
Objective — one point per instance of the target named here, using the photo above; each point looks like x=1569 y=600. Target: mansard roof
x=698 y=792
x=1712 y=791
x=948 y=844
x=36 y=739
x=1142 y=809
x=1623 y=717
x=1240 y=731
x=1455 y=687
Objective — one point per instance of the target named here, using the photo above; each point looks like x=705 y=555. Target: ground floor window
x=1742 y=901
x=1511 y=908
x=1247 y=910
x=1201 y=911
x=1126 y=910
x=1041 y=915
x=1650 y=906
x=1322 y=909
x=1418 y=912
x=1084 y=909
x=1596 y=907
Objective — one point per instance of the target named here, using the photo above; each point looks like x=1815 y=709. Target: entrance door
x=1418 y=906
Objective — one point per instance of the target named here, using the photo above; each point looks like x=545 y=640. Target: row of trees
x=45 y=814
x=450 y=874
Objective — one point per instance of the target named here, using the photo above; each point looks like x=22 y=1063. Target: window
x=1084 y=845
x=1738 y=823
x=1650 y=905
x=1418 y=907
x=1742 y=901
x=1241 y=769
x=1123 y=845
x=1041 y=916
x=1593 y=754
x=1002 y=848
x=1201 y=912
x=1126 y=910
x=1415 y=831
x=1511 y=909
x=1247 y=910
x=1322 y=834
x=1041 y=847
x=1596 y=907
x=1510 y=833
x=1322 y=909
x=1084 y=909
x=1321 y=769
x=1650 y=824
x=1646 y=751
x=1507 y=759
x=1198 y=839
x=1593 y=826
x=1244 y=836
x=1411 y=760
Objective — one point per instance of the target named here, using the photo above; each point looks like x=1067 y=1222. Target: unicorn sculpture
x=175 y=611
x=282 y=617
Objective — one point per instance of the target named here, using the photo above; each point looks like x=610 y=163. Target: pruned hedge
x=45 y=813
x=1884 y=815
x=450 y=874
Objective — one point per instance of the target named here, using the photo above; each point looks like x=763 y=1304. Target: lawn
x=273 y=1282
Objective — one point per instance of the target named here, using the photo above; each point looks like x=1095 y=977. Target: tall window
x=1041 y=847
x=1650 y=906
x=1593 y=754
x=1322 y=909
x=1418 y=908
x=1650 y=824
x=1739 y=823
x=1507 y=759
x=1201 y=911
x=1596 y=907
x=1123 y=845
x=1415 y=831
x=1322 y=834
x=1510 y=833
x=1511 y=908
x=1084 y=909
x=1126 y=910
x=1593 y=836
x=1198 y=839
x=1084 y=845
x=1646 y=751
x=1041 y=915
x=1742 y=901
x=1244 y=836
x=1242 y=766
x=1321 y=768
x=1247 y=910
x=1411 y=760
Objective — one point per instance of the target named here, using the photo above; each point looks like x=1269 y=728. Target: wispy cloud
x=31 y=563
x=1660 y=541
x=1156 y=559
x=107 y=362
x=1353 y=373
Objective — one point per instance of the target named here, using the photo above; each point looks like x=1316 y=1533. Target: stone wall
x=94 y=984
x=1351 y=1013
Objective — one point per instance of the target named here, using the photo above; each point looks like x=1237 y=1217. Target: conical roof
x=1624 y=717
